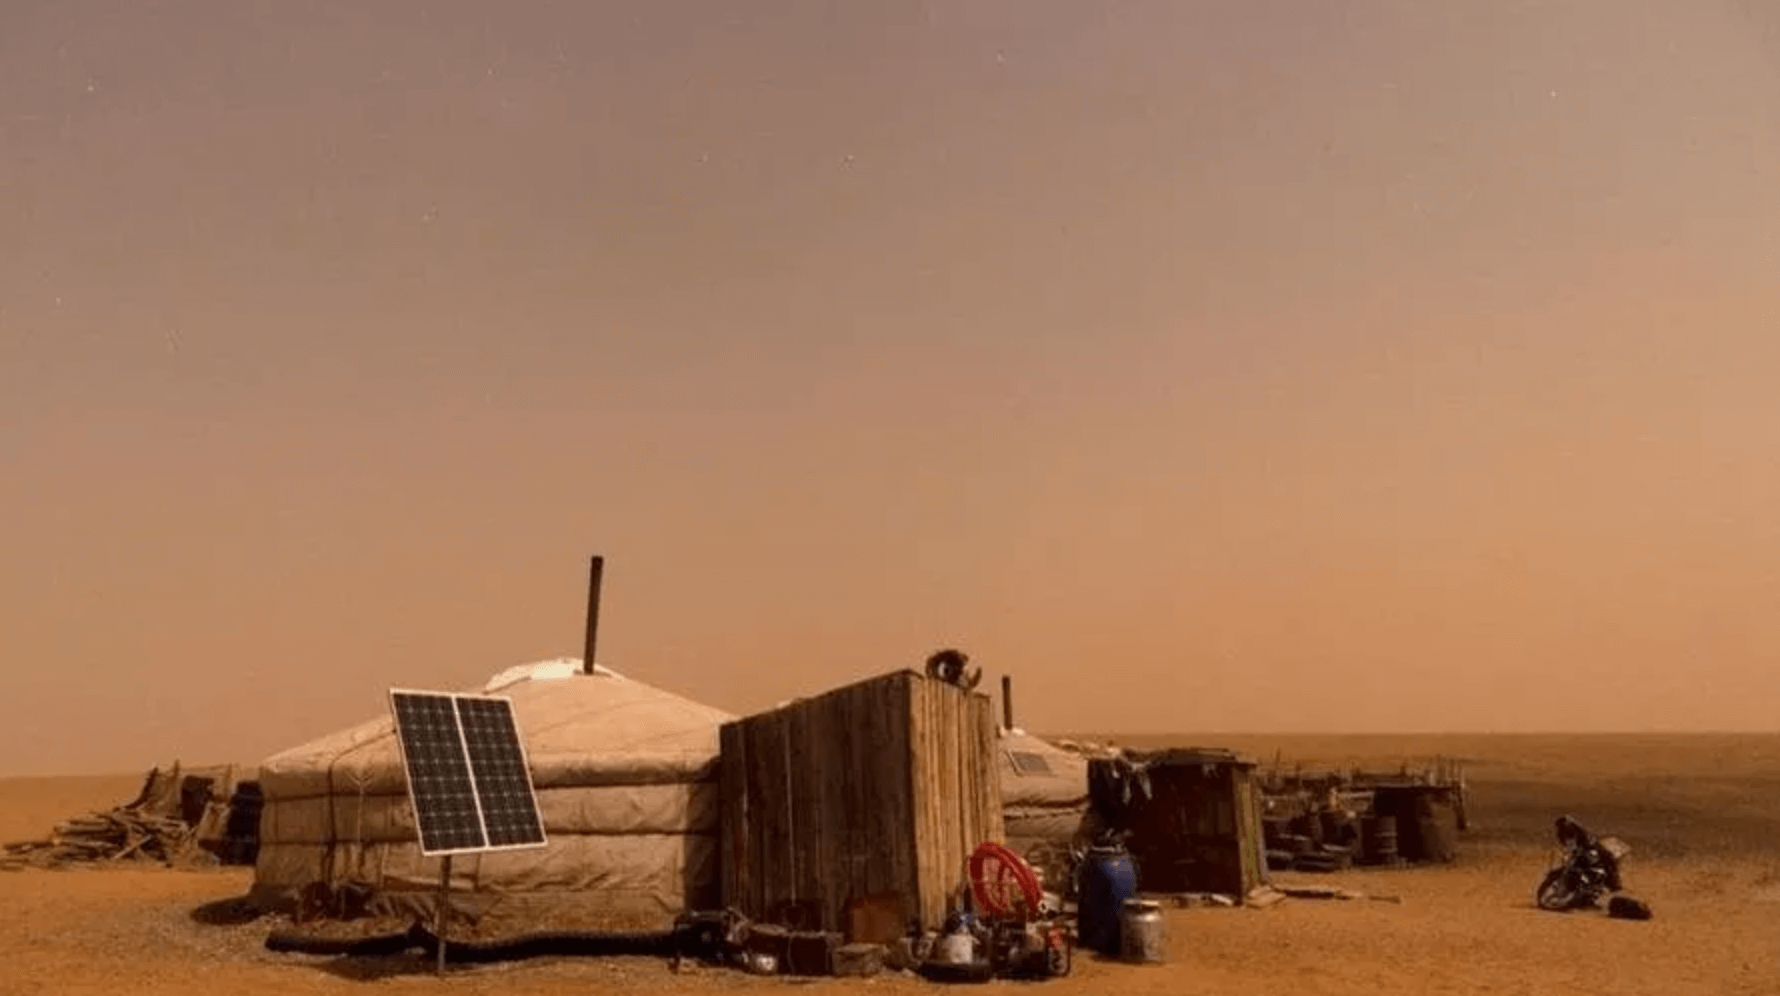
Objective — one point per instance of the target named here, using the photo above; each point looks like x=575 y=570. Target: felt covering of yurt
x=626 y=778
x=1044 y=798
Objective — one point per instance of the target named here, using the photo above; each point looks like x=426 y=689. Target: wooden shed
x=1193 y=817
x=876 y=792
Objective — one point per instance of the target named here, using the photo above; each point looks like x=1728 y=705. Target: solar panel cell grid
x=438 y=774
x=467 y=772
x=503 y=785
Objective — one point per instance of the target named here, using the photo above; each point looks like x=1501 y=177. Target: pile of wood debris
x=166 y=823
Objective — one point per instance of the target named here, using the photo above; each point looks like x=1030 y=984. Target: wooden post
x=1007 y=701
x=594 y=577
x=444 y=905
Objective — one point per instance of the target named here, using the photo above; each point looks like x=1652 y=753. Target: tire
x=1554 y=892
x=947 y=665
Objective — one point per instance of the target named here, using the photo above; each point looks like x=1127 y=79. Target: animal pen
x=1402 y=816
x=870 y=795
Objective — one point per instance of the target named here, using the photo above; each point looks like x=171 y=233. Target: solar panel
x=503 y=784
x=467 y=773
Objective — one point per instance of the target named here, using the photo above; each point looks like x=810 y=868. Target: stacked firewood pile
x=112 y=836
x=155 y=827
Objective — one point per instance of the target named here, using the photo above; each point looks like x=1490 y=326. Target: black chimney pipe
x=594 y=576
x=1007 y=701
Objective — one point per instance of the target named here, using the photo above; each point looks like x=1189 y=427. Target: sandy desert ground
x=1702 y=812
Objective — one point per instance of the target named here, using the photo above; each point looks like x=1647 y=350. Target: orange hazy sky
x=1207 y=365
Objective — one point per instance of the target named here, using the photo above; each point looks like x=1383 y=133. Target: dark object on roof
x=951 y=666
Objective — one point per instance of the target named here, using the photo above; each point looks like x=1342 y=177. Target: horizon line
x=1414 y=733
x=254 y=765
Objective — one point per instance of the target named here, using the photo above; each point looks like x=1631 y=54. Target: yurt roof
x=575 y=726
x=1035 y=772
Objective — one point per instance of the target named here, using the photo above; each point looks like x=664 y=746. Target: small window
x=1028 y=763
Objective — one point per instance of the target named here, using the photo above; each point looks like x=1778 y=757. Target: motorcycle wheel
x=1554 y=892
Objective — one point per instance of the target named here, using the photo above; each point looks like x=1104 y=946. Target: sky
x=1230 y=365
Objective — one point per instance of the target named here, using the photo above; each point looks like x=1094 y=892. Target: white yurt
x=1044 y=798
x=626 y=779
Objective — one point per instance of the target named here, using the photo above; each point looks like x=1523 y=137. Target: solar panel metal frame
x=475 y=788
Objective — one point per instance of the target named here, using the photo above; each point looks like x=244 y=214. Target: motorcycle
x=1581 y=875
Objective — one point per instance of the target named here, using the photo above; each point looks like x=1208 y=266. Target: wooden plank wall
x=880 y=787
x=1199 y=832
x=1248 y=816
x=958 y=789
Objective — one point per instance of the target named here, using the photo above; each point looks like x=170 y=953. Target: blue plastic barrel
x=1108 y=879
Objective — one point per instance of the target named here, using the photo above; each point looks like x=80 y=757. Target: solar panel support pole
x=595 y=575
x=444 y=905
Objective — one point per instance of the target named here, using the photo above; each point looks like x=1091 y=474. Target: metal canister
x=1142 y=931
x=956 y=948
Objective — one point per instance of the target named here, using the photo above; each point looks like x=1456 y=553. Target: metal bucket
x=1143 y=933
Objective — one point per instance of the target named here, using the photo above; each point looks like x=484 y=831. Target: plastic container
x=1108 y=879
x=1143 y=932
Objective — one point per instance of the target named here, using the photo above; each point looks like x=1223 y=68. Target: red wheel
x=1002 y=882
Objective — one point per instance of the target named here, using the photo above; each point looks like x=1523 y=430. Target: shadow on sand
x=232 y=912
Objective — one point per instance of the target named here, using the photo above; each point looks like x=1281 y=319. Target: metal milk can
x=1143 y=932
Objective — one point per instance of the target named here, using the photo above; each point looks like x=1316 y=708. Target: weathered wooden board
x=880 y=787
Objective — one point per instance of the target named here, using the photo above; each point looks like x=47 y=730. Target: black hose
x=297 y=942
x=664 y=943
x=549 y=944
